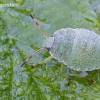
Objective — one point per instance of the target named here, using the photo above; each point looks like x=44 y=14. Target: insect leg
x=31 y=56
x=63 y=73
x=85 y=74
x=89 y=78
x=42 y=62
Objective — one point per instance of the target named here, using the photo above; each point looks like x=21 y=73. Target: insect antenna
x=31 y=56
x=37 y=24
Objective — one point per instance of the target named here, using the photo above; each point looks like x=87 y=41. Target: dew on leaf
x=23 y=24
x=74 y=86
x=14 y=14
x=18 y=83
x=4 y=87
x=20 y=92
x=2 y=71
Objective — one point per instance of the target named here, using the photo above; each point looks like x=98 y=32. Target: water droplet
x=74 y=86
x=2 y=71
x=14 y=14
x=44 y=75
x=96 y=90
x=8 y=67
x=98 y=86
x=84 y=90
x=3 y=37
x=2 y=81
x=18 y=83
x=24 y=25
x=4 y=87
x=20 y=92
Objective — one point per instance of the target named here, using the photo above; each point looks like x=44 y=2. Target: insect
x=78 y=49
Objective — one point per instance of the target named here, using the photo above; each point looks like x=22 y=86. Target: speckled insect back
x=78 y=49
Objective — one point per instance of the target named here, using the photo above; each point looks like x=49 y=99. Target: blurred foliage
x=19 y=37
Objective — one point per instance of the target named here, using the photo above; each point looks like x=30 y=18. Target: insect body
x=78 y=48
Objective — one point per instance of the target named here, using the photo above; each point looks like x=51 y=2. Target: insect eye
x=48 y=48
x=51 y=36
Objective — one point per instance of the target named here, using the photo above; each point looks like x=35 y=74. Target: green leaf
x=19 y=37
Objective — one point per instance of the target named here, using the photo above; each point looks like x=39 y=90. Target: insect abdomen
x=77 y=48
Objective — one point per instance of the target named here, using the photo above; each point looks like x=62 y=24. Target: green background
x=19 y=37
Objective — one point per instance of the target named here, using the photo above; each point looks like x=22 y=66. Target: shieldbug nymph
x=79 y=48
